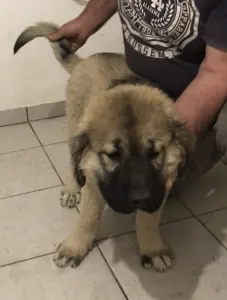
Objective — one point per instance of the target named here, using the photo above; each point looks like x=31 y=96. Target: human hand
x=75 y=31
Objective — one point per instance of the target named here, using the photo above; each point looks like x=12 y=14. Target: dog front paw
x=160 y=261
x=69 y=198
x=72 y=251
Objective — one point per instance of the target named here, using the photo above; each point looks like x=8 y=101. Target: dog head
x=132 y=145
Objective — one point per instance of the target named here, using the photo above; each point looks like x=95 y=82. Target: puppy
x=127 y=146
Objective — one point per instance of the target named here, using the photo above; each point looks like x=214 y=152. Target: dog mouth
x=127 y=191
x=124 y=199
x=125 y=205
x=122 y=209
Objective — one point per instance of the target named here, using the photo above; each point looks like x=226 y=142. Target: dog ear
x=183 y=136
x=78 y=145
x=185 y=139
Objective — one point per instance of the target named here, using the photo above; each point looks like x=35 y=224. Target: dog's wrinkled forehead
x=127 y=113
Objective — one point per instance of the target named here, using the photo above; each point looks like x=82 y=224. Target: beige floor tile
x=17 y=137
x=209 y=193
x=32 y=224
x=216 y=222
x=25 y=171
x=174 y=211
x=51 y=131
x=59 y=155
x=113 y=223
x=39 y=279
x=199 y=272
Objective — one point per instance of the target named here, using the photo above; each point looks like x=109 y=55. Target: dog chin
x=128 y=210
x=123 y=209
x=119 y=198
x=122 y=206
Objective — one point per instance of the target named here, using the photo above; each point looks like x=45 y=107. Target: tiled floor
x=33 y=164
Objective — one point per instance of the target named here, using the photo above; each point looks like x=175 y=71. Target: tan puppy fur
x=99 y=114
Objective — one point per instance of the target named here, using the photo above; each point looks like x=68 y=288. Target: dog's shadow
x=197 y=258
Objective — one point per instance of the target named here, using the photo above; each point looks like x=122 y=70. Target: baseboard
x=34 y=113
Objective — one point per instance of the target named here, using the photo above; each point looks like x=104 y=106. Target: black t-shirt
x=165 y=40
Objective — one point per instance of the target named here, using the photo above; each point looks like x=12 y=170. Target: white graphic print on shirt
x=165 y=26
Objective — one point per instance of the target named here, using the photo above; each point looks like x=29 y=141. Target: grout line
x=33 y=147
x=43 y=147
x=203 y=225
x=30 y=192
x=97 y=244
x=113 y=274
x=26 y=259
x=59 y=177
x=34 y=132
x=47 y=118
x=20 y=150
x=211 y=211
x=115 y=236
x=178 y=197
x=27 y=114
x=176 y=220
x=14 y=124
x=28 y=120
x=56 y=143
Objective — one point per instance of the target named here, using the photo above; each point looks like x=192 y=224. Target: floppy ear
x=77 y=146
x=186 y=141
x=183 y=136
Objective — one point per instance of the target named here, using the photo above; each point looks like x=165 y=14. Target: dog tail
x=62 y=49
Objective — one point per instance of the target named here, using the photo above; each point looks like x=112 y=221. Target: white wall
x=33 y=76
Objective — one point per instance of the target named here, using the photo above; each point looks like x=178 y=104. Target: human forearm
x=97 y=12
x=202 y=100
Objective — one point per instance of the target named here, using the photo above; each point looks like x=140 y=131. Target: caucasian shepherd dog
x=127 y=146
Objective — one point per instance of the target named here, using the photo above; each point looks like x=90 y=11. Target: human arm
x=203 y=98
x=201 y=101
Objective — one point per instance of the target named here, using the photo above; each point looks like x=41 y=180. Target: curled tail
x=62 y=49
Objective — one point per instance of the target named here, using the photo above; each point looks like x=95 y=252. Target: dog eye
x=151 y=153
x=115 y=155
